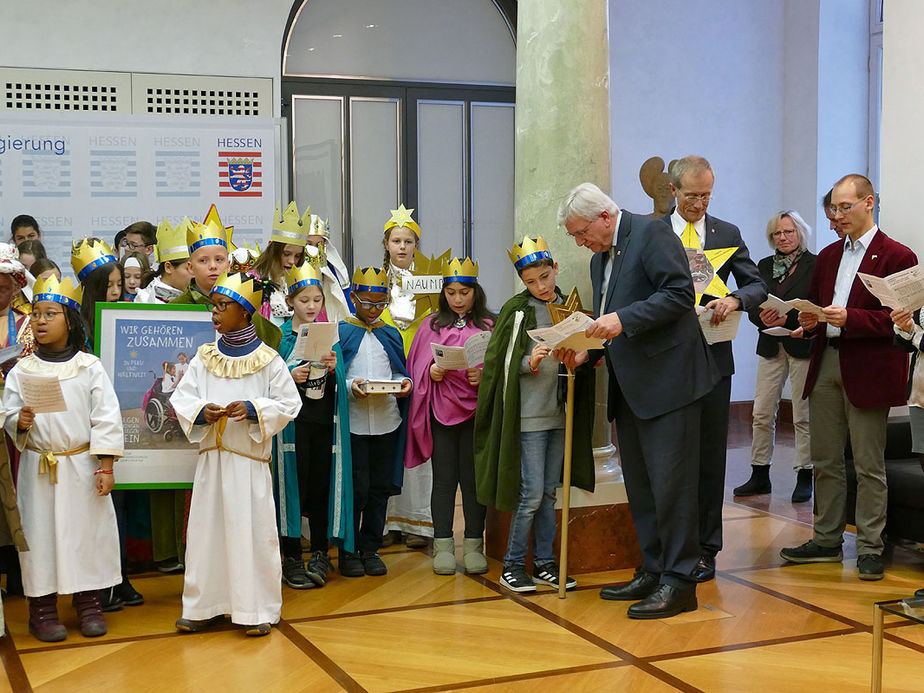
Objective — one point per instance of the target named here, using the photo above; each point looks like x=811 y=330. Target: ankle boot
x=444 y=556
x=759 y=482
x=43 y=619
x=90 y=613
x=473 y=556
x=804 y=481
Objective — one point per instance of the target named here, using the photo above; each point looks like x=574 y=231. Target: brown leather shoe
x=43 y=619
x=90 y=613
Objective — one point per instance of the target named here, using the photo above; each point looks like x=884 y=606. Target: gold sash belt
x=48 y=462
x=234 y=452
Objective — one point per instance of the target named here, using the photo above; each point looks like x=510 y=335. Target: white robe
x=72 y=533
x=232 y=550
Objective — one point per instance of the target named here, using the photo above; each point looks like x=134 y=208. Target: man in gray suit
x=659 y=368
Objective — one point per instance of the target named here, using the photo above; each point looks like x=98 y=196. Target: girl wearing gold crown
x=100 y=276
x=442 y=415
x=285 y=250
x=65 y=473
x=235 y=396
x=409 y=512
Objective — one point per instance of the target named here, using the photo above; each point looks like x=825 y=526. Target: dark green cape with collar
x=497 y=417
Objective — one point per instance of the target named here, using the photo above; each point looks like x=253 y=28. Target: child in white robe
x=65 y=472
x=235 y=396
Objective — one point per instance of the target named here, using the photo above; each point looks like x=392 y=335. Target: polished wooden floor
x=760 y=626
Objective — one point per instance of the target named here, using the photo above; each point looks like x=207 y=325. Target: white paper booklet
x=42 y=393
x=453 y=358
x=903 y=290
x=779 y=305
x=568 y=334
x=806 y=306
x=725 y=331
x=315 y=340
x=777 y=331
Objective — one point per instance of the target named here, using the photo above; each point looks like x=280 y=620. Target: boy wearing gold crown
x=65 y=472
x=208 y=258
x=172 y=276
x=314 y=449
x=373 y=351
x=236 y=395
x=520 y=421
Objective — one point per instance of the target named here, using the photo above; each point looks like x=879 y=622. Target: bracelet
x=534 y=370
x=102 y=471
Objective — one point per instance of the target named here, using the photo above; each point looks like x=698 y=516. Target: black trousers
x=454 y=466
x=713 y=443
x=659 y=459
x=314 y=456
x=373 y=467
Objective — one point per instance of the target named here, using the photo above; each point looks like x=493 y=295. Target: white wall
x=902 y=136
x=238 y=38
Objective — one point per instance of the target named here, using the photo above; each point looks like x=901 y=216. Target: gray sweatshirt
x=540 y=409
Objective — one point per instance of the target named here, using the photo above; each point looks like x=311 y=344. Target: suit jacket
x=797 y=287
x=660 y=361
x=749 y=287
x=874 y=370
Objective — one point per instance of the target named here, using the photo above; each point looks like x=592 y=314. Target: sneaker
x=128 y=594
x=372 y=563
x=188 y=625
x=171 y=565
x=319 y=567
x=870 y=566
x=548 y=575
x=294 y=575
x=109 y=599
x=810 y=552
x=258 y=630
x=516 y=579
x=416 y=541
x=351 y=565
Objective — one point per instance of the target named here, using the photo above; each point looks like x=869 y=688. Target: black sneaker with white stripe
x=548 y=575
x=516 y=579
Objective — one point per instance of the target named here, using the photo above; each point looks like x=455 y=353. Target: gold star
x=714 y=259
x=424 y=266
x=572 y=304
x=401 y=216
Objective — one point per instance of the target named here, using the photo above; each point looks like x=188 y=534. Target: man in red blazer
x=856 y=373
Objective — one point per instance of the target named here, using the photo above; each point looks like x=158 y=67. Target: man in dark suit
x=856 y=373
x=691 y=182
x=659 y=370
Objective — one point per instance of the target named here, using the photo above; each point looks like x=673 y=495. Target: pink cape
x=452 y=400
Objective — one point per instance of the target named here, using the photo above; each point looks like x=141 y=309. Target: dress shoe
x=919 y=594
x=664 y=602
x=704 y=570
x=641 y=586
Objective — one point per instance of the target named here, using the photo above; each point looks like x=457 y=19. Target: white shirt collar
x=616 y=228
x=863 y=241
x=678 y=223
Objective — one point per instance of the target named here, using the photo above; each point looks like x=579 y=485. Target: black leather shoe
x=919 y=594
x=704 y=570
x=664 y=602
x=641 y=585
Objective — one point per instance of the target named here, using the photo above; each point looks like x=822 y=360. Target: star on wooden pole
x=429 y=266
x=572 y=304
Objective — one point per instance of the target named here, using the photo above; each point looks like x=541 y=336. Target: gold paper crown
x=402 y=217
x=240 y=287
x=464 y=271
x=171 y=241
x=318 y=226
x=301 y=276
x=370 y=279
x=530 y=251
x=209 y=232
x=88 y=254
x=63 y=292
x=290 y=227
x=315 y=256
x=242 y=257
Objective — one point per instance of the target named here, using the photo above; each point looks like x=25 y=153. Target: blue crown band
x=373 y=289
x=302 y=283
x=56 y=298
x=225 y=291
x=459 y=278
x=531 y=258
x=98 y=262
x=206 y=241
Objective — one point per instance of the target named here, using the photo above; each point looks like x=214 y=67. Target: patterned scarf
x=783 y=263
x=240 y=337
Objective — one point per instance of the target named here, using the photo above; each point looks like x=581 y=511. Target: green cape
x=497 y=417
x=268 y=333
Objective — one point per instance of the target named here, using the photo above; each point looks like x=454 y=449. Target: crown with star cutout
x=318 y=226
x=63 y=292
x=209 y=232
x=240 y=287
x=402 y=217
x=291 y=227
x=372 y=279
x=460 y=270
x=531 y=250
x=88 y=254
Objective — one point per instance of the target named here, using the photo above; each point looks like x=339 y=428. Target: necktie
x=690 y=238
x=608 y=270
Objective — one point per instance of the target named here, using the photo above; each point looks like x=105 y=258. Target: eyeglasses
x=131 y=246
x=45 y=315
x=372 y=305
x=582 y=232
x=694 y=197
x=844 y=208
x=220 y=307
x=783 y=232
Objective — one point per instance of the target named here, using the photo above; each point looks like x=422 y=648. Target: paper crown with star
x=301 y=276
x=318 y=226
x=63 y=292
x=241 y=288
x=171 y=241
x=530 y=251
x=88 y=254
x=460 y=270
x=372 y=279
x=209 y=232
x=290 y=227
x=402 y=217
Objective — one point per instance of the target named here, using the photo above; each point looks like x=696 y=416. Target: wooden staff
x=566 y=487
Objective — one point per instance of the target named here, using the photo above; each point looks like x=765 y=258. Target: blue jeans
x=542 y=454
